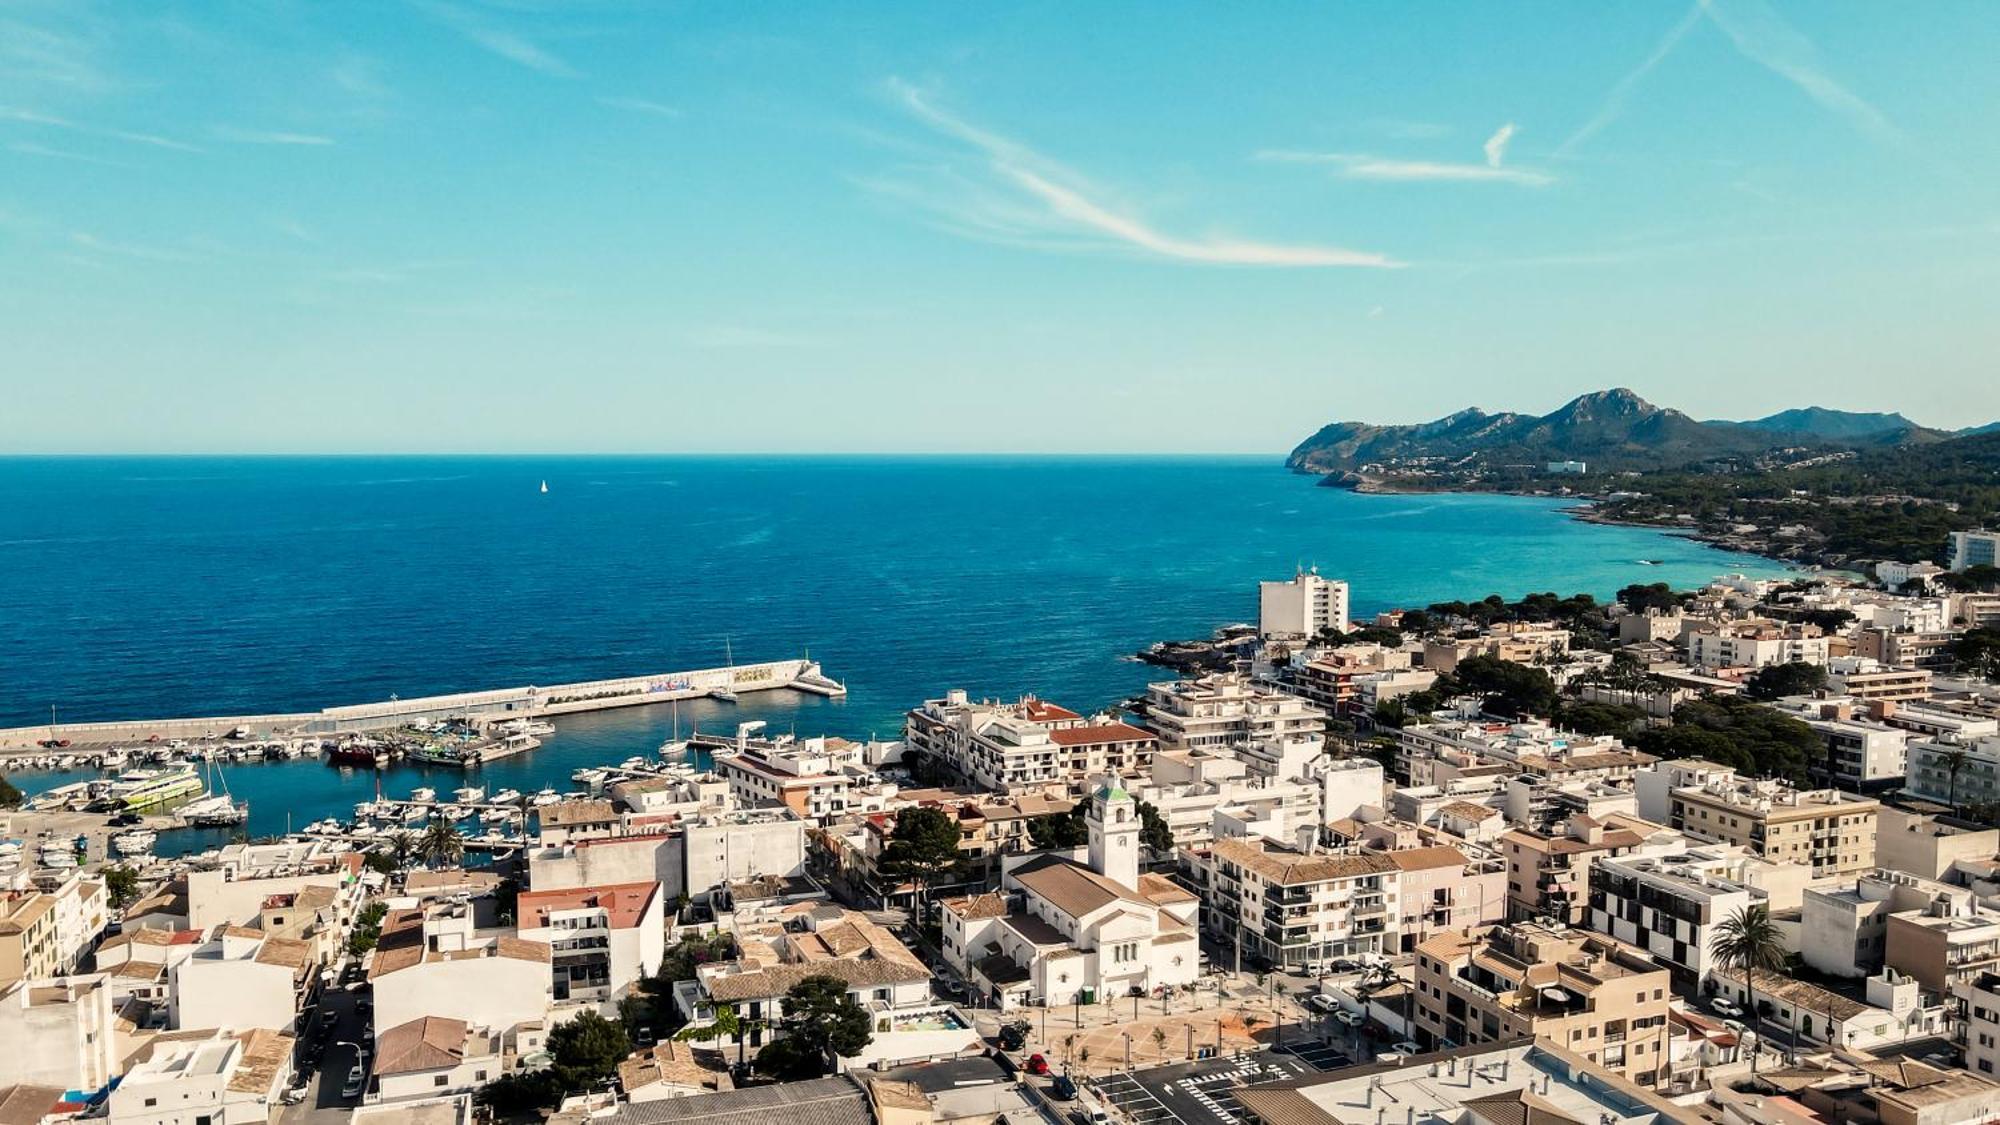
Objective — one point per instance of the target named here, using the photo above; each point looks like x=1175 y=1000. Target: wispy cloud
x=1614 y=102
x=640 y=105
x=1362 y=166
x=84 y=240
x=1029 y=199
x=1496 y=145
x=1761 y=35
x=32 y=117
x=262 y=137
x=29 y=148
x=1764 y=37
x=500 y=41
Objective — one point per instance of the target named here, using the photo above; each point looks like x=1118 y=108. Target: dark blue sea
x=152 y=587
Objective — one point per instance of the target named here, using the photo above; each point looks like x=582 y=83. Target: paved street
x=1200 y=1093
x=335 y=1049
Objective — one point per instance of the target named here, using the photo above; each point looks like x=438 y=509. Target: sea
x=158 y=587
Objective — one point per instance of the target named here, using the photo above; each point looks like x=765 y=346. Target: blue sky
x=517 y=226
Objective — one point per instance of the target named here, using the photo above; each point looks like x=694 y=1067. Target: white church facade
x=1062 y=932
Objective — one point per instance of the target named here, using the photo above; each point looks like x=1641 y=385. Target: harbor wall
x=501 y=703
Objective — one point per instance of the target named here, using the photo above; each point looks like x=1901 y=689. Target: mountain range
x=1612 y=430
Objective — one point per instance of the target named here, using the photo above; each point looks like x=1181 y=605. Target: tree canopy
x=821 y=1023
x=1780 y=680
x=922 y=846
x=1733 y=731
x=1508 y=688
x=1978 y=652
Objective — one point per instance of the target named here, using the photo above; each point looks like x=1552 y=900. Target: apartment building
x=801 y=776
x=1548 y=873
x=1750 y=644
x=1331 y=679
x=1305 y=606
x=1672 y=906
x=1862 y=756
x=1870 y=681
x=431 y=962
x=58 y=1032
x=1440 y=887
x=1928 y=845
x=1953 y=771
x=1829 y=831
x=1437 y=752
x=1220 y=711
x=1521 y=642
x=602 y=940
x=1585 y=993
x=28 y=946
x=1907 y=648
x=1980 y=998
x=1978 y=547
x=1188 y=787
x=1947 y=943
x=1024 y=747
x=241 y=978
x=1298 y=909
x=206 y=1077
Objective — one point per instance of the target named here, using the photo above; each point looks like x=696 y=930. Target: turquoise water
x=152 y=587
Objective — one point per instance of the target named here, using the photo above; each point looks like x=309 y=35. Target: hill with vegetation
x=1611 y=431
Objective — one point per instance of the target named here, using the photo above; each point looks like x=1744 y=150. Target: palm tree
x=1953 y=761
x=441 y=845
x=402 y=847
x=1749 y=941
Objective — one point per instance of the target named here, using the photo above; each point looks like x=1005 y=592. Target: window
x=441 y=1080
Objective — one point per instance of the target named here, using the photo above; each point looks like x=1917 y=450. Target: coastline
x=1583 y=508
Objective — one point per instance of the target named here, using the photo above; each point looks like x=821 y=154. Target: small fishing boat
x=424 y=793
x=497 y=816
x=415 y=814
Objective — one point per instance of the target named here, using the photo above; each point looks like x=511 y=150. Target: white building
x=1752 y=644
x=1062 y=930
x=1979 y=547
x=1189 y=787
x=58 y=1032
x=1299 y=909
x=603 y=940
x=432 y=963
x=1222 y=711
x=1672 y=906
x=240 y=978
x=206 y=1077
x=1028 y=746
x=1931 y=776
x=1305 y=606
x=431 y=1056
x=1981 y=999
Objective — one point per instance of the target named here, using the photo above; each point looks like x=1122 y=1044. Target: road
x=335 y=1048
x=1201 y=1093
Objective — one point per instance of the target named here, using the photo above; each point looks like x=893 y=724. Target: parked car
x=355 y=1081
x=1013 y=1036
x=1063 y=1088
x=1323 y=1002
x=1037 y=1064
x=1726 y=1007
x=1406 y=1047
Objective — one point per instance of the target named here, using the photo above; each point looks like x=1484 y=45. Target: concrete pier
x=484 y=706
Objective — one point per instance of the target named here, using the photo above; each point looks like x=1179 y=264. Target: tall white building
x=1978 y=547
x=1305 y=606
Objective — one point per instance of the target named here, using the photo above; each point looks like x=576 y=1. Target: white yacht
x=546 y=797
x=469 y=795
x=507 y=797
x=424 y=793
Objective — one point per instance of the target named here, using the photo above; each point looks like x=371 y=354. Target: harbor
x=728 y=684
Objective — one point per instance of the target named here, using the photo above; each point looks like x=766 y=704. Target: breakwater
x=497 y=705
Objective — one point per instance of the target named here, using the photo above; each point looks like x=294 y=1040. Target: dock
x=487 y=707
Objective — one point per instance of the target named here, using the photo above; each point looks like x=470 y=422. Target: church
x=1062 y=932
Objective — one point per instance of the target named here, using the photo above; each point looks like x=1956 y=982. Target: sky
x=523 y=226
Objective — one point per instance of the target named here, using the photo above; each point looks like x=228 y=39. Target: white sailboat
x=545 y=488
x=723 y=693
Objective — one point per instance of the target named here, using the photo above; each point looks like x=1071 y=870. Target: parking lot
x=1202 y=1093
